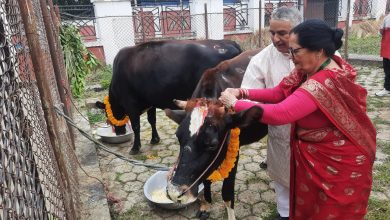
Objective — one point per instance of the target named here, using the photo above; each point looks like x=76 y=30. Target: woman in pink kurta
x=333 y=140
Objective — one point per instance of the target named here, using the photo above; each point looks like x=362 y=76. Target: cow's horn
x=180 y=103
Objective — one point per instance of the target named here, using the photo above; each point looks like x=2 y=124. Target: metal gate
x=162 y=22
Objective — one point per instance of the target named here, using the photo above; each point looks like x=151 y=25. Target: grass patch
x=379 y=120
x=253 y=179
x=381 y=177
x=88 y=94
x=252 y=41
x=153 y=153
x=385 y=146
x=378 y=210
x=101 y=76
x=272 y=212
x=374 y=102
x=363 y=73
x=105 y=75
x=141 y=157
x=96 y=117
x=363 y=45
x=370 y=108
x=133 y=214
x=256 y=179
x=118 y=177
x=373 y=84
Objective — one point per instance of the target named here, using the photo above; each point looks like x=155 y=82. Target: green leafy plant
x=79 y=61
x=105 y=75
x=96 y=117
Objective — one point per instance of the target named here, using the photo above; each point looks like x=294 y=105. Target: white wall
x=114 y=26
x=215 y=20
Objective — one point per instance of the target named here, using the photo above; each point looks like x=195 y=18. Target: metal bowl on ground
x=107 y=134
x=158 y=183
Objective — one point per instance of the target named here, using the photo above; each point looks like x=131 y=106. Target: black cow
x=201 y=144
x=152 y=74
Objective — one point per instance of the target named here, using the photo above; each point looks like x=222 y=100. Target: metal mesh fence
x=37 y=173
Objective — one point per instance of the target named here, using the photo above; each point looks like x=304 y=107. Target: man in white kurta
x=265 y=70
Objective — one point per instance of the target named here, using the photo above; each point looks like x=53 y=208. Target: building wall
x=119 y=24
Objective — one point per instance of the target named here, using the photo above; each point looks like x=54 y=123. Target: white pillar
x=214 y=18
x=253 y=18
x=114 y=26
x=350 y=13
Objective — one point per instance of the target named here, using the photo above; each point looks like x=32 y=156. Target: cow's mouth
x=180 y=194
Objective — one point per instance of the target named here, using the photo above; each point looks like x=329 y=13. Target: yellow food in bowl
x=160 y=196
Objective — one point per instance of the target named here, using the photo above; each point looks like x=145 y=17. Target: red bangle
x=244 y=93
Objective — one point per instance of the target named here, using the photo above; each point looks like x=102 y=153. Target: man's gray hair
x=287 y=14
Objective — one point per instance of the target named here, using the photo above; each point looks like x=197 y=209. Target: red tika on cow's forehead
x=215 y=107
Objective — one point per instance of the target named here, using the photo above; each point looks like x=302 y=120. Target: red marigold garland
x=228 y=163
x=111 y=117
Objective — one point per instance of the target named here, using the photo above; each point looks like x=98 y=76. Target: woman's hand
x=233 y=91
x=228 y=97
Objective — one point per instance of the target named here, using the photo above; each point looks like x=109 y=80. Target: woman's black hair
x=315 y=34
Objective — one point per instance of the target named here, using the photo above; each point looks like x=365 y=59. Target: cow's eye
x=211 y=141
x=208 y=136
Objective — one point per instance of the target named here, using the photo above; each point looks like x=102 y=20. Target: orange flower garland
x=228 y=163
x=111 y=117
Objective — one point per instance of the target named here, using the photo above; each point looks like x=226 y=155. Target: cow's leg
x=205 y=202
x=230 y=211
x=152 y=121
x=228 y=191
x=135 y=125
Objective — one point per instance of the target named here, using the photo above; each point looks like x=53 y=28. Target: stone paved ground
x=254 y=193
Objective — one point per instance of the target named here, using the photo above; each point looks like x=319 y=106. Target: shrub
x=79 y=61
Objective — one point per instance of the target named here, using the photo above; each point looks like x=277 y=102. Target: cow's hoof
x=155 y=140
x=202 y=215
x=134 y=151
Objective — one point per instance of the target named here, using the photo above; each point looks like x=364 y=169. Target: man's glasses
x=294 y=51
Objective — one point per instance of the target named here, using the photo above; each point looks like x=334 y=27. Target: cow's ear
x=100 y=105
x=176 y=115
x=244 y=118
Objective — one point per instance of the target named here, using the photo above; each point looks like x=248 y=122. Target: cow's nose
x=173 y=192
